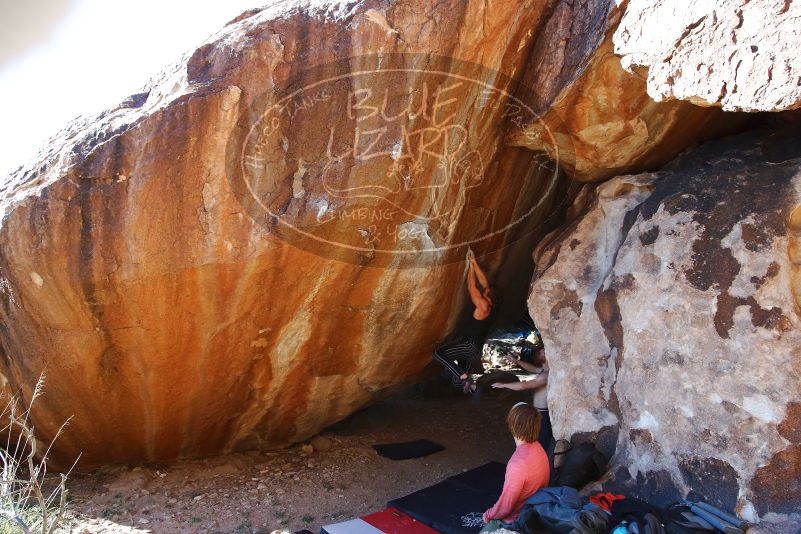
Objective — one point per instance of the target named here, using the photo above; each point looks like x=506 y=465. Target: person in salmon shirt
x=527 y=471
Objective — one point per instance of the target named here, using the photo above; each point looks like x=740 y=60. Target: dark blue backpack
x=560 y=511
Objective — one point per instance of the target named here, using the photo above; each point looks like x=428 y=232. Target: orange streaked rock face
x=191 y=289
x=596 y=116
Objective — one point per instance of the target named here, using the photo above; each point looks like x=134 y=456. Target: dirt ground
x=297 y=488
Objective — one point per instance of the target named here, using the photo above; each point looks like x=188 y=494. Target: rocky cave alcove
x=211 y=267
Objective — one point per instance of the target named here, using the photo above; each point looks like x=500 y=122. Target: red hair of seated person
x=524 y=422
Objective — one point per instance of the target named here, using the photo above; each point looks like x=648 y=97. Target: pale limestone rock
x=741 y=55
x=672 y=331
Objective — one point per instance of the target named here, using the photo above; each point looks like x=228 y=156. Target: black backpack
x=633 y=510
x=583 y=464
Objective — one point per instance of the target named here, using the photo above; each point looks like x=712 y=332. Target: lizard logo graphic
x=392 y=156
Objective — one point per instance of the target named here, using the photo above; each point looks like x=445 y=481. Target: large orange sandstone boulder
x=265 y=239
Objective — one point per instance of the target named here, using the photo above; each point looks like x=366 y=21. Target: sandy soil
x=297 y=488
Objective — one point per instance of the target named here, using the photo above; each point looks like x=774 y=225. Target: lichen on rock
x=687 y=335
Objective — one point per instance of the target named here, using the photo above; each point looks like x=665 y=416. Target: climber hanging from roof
x=462 y=356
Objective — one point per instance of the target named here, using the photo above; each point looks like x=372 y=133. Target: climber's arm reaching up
x=480 y=276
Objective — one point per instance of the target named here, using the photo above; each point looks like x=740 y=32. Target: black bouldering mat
x=455 y=505
x=489 y=475
x=408 y=449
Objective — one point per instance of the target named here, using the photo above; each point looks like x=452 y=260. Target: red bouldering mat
x=389 y=521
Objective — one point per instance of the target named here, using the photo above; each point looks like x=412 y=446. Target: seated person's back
x=528 y=468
